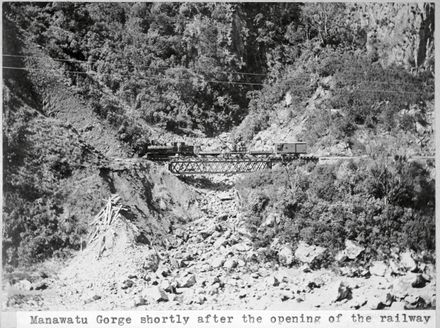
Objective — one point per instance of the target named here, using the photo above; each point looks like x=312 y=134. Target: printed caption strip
x=213 y=319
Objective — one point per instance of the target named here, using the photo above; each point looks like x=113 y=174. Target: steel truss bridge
x=201 y=165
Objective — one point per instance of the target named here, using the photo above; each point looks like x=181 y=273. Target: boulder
x=272 y=281
x=151 y=262
x=24 y=285
x=139 y=300
x=408 y=262
x=221 y=241
x=341 y=256
x=419 y=281
x=223 y=196
x=217 y=262
x=127 y=283
x=187 y=281
x=285 y=295
x=352 y=249
x=308 y=254
x=41 y=285
x=285 y=256
x=156 y=294
x=168 y=286
x=230 y=264
x=338 y=291
x=378 y=268
x=376 y=303
x=242 y=247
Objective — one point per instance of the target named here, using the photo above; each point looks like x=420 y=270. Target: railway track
x=182 y=165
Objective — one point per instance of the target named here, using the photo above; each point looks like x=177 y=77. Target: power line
x=231 y=72
x=95 y=61
x=145 y=77
x=156 y=77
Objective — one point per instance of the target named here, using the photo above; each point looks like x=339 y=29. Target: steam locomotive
x=180 y=149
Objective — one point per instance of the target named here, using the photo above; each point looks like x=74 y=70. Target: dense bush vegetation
x=177 y=64
x=382 y=204
x=39 y=156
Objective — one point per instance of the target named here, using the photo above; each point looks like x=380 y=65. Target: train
x=181 y=149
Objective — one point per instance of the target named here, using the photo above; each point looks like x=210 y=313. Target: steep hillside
x=56 y=167
x=364 y=83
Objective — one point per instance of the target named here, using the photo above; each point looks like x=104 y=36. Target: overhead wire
x=159 y=77
x=225 y=72
x=95 y=61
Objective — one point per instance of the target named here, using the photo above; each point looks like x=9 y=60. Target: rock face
x=401 y=34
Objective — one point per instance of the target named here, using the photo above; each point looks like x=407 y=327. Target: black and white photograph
x=218 y=156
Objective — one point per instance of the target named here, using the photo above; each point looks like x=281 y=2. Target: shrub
x=381 y=204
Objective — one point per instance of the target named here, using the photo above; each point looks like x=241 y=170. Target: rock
x=127 y=284
x=208 y=231
x=230 y=264
x=419 y=281
x=341 y=256
x=223 y=196
x=167 y=286
x=414 y=302
x=178 y=298
x=42 y=285
x=315 y=283
x=163 y=271
x=352 y=249
x=400 y=288
x=375 y=303
x=242 y=294
x=151 y=262
x=272 y=281
x=217 y=262
x=338 y=291
x=397 y=306
x=395 y=268
x=359 y=302
x=407 y=261
x=285 y=295
x=240 y=263
x=271 y=220
x=285 y=256
x=88 y=300
x=200 y=299
x=221 y=241
x=305 y=268
x=308 y=254
x=430 y=271
x=242 y=247
x=139 y=300
x=378 y=268
x=187 y=281
x=157 y=294
x=214 y=289
x=24 y=285
x=262 y=272
x=205 y=267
